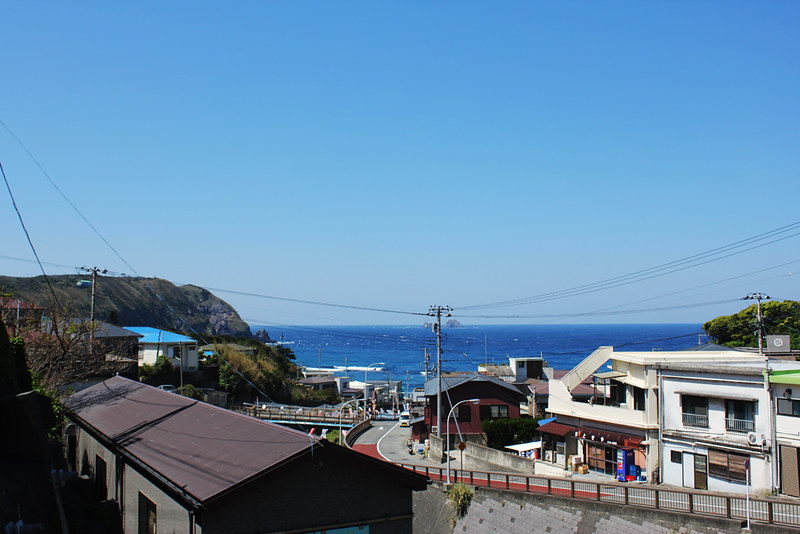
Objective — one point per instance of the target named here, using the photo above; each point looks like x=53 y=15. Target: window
x=695 y=411
x=638 y=398
x=100 y=478
x=740 y=415
x=789 y=407
x=147 y=515
x=493 y=411
x=463 y=413
x=676 y=457
x=176 y=352
x=727 y=465
x=618 y=393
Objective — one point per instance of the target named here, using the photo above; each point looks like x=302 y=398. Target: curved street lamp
x=341 y=412
x=365 y=385
x=446 y=443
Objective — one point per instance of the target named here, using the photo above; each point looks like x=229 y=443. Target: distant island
x=452 y=323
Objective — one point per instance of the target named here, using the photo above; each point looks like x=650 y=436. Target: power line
x=64 y=196
x=315 y=303
x=660 y=270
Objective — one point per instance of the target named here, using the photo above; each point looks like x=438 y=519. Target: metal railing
x=770 y=510
x=739 y=425
x=299 y=414
x=690 y=419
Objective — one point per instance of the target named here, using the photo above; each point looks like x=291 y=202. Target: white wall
x=148 y=352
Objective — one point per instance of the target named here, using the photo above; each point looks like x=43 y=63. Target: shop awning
x=557 y=429
x=608 y=437
x=525 y=447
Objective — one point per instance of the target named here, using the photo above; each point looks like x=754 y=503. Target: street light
x=447 y=433
x=365 y=385
x=341 y=412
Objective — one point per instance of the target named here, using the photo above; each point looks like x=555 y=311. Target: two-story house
x=496 y=399
x=622 y=421
x=180 y=350
x=716 y=421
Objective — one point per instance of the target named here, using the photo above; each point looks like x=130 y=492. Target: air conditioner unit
x=753 y=438
x=548 y=456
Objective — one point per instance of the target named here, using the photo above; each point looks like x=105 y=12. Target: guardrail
x=772 y=511
x=297 y=414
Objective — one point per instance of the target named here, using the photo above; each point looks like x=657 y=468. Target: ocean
x=402 y=348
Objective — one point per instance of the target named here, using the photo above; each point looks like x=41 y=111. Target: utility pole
x=758 y=297
x=436 y=311
x=94 y=271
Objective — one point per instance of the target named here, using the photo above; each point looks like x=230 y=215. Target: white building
x=624 y=417
x=716 y=422
x=180 y=350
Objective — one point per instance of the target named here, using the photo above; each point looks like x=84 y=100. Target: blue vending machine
x=624 y=463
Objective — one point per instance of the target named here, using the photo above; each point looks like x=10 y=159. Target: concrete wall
x=496 y=460
x=124 y=484
x=504 y=511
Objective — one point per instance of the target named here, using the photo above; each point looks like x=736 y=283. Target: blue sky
x=397 y=155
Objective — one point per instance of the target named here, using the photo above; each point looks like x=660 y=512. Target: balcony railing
x=690 y=419
x=739 y=425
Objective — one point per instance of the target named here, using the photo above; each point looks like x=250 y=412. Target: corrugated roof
x=154 y=335
x=104 y=330
x=203 y=449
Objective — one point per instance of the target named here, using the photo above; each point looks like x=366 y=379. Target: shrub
x=459 y=496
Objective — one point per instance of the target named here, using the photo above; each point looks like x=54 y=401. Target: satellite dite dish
x=779 y=344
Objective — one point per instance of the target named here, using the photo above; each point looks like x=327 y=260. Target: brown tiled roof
x=203 y=449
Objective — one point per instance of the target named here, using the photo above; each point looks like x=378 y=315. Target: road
x=387 y=440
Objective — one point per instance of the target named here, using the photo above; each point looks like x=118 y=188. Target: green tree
x=506 y=431
x=161 y=372
x=739 y=329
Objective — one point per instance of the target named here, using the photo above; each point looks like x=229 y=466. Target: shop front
x=621 y=456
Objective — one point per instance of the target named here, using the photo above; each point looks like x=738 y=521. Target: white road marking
x=378 y=445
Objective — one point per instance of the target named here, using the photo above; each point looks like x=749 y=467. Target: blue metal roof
x=154 y=335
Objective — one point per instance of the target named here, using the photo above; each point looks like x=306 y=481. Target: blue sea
x=402 y=348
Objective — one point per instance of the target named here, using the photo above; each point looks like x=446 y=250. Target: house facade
x=716 y=427
x=785 y=386
x=620 y=423
x=496 y=399
x=173 y=464
x=180 y=350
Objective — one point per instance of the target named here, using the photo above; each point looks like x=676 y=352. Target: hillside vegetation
x=739 y=329
x=129 y=301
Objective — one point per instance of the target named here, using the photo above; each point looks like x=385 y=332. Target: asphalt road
x=390 y=439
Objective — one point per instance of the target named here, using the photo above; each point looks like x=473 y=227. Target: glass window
x=638 y=398
x=676 y=457
x=740 y=415
x=493 y=411
x=694 y=411
x=147 y=515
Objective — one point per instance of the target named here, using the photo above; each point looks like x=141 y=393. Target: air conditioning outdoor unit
x=755 y=439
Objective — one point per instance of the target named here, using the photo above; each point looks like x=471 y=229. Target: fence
x=299 y=414
x=771 y=511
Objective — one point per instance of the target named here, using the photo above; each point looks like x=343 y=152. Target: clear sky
x=397 y=155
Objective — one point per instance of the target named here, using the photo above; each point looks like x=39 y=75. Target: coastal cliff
x=133 y=302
